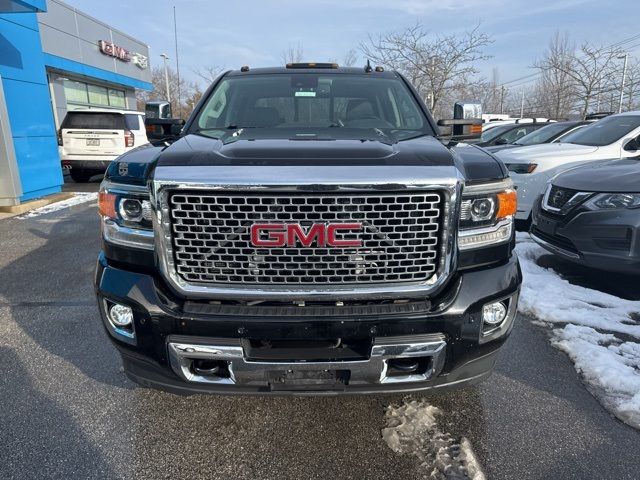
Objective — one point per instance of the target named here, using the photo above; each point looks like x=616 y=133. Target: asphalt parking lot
x=68 y=411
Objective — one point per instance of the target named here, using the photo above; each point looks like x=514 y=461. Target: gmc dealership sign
x=121 y=53
x=114 y=50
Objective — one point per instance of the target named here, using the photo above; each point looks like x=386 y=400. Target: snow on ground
x=599 y=332
x=412 y=428
x=78 y=197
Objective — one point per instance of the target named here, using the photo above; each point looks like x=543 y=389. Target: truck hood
x=261 y=148
x=564 y=151
x=617 y=176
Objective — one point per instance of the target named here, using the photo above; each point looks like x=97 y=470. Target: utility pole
x=166 y=75
x=175 y=34
x=501 y=99
x=522 y=105
x=624 y=75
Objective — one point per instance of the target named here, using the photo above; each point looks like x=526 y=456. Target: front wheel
x=80 y=176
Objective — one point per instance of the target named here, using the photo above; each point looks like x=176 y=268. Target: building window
x=98 y=95
x=82 y=95
x=116 y=98
x=76 y=92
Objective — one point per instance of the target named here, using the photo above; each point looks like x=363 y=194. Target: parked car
x=550 y=133
x=90 y=139
x=591 y=215
x=307 y=231
x=507 y=133
x=531 y=167
x=497 y=122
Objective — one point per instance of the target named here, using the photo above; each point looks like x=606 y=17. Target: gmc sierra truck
x=308 y=231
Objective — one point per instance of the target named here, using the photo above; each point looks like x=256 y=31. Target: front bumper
x=604 y=239
x=358 y=343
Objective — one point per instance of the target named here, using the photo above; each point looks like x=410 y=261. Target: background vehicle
x=90 y=139
x=531 y=167
x=507 y=133
x=303 y=221
x=550 y=133
x=497 y=121
x=591 y=215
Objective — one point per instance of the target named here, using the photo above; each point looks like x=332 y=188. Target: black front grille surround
x=210 y=236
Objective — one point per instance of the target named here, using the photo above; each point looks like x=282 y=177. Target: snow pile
x=597 y=331
x=77 y=199
x=412 y=428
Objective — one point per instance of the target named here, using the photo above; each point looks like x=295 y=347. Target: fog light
x=494 y=313
x=121 y=315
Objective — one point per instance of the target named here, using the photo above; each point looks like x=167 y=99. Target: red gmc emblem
x=291 y=235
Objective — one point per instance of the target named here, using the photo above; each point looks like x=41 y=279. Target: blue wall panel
x=28 y=102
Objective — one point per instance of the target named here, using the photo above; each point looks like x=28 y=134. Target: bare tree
x=554 y=94
x=590 y=71
x=209 y=74
x=293 y=54
x=632 y=85
x=350 y=58
x=435 y=64
x=159 y=91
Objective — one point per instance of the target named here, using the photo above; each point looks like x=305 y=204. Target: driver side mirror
x=501 y=141
x=162 y=130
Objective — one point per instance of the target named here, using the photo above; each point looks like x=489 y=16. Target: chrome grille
x=211 y=241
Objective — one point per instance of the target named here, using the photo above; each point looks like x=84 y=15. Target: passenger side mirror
x=466 y=123
x=501 y=141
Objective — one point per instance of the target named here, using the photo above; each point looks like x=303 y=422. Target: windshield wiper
x=337 y=124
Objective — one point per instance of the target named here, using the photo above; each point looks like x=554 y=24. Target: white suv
x=613 y=137
x=89 y=139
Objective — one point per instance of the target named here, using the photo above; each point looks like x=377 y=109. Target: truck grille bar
x=211 y=240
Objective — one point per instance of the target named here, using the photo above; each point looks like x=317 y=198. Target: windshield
x=309 y=101
x=605 y=131
x=494 y=132
x=543 y=134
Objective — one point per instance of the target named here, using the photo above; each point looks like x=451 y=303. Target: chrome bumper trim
x=243 y=372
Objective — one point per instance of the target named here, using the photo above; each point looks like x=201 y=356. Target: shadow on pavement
x=49 y=290
x=61 y=444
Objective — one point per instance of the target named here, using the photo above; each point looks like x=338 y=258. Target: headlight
x=615 y=200
x=486 y=214
x=126 y=215
x=521 y=167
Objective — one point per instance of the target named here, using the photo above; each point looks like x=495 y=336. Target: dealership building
x=55 y=58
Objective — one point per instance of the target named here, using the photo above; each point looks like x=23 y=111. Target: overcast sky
x=256 y=32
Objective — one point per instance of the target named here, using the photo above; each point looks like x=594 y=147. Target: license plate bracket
x=306 y=380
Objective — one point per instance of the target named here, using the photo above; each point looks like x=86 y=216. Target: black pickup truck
x=308 y=231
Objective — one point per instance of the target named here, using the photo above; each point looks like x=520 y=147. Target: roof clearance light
x=312 y=65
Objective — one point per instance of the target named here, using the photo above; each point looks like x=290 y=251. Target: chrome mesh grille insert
x=211 y=241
